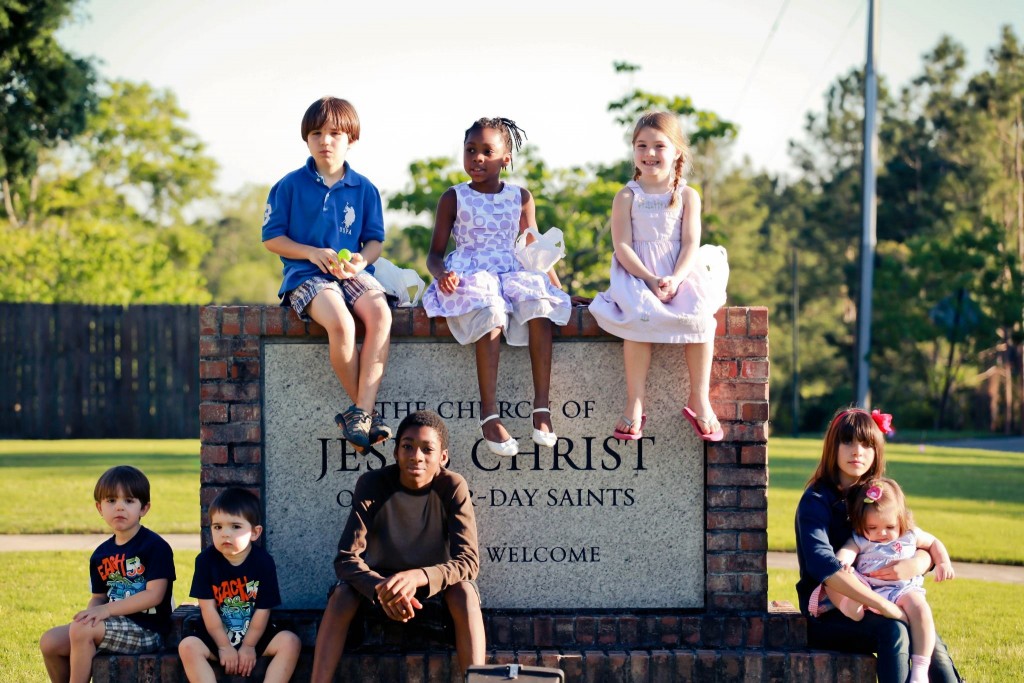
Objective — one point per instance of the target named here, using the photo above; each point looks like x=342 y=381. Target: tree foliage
x=46 y=94
x=947 y=296
x=105 y=220
x=238 y=268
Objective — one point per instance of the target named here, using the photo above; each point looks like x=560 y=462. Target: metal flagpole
x=868 y=206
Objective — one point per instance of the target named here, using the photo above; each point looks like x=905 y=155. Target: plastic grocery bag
x=544 y=252
x=399 y=281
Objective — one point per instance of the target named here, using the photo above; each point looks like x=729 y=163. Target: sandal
x=379 y=431
x=694 y=419
x=506 y=448
x=627 y=436
x=355 y=425
x=546 y=439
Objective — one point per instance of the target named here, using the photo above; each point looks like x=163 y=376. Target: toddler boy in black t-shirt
x=236 y=584
x=131 y=575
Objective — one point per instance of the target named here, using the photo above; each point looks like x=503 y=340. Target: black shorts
x=195 y=626
x=433 y=621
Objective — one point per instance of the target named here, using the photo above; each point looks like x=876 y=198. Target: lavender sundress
x=494 y=289
x=629 y=310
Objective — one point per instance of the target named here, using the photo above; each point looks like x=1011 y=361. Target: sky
x=420 y=73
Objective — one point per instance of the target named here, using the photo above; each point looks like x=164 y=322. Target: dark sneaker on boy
x=355 y=425
x=379 y=431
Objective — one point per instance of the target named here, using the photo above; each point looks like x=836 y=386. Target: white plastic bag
x=399 y=281
x=544 y=252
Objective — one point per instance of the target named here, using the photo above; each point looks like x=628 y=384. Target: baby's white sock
x=919 y=668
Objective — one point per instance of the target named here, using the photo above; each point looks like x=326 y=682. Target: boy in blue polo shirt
x=326 y=223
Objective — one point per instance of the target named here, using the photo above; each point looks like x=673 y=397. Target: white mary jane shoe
x=546 y=439
x=506 y=448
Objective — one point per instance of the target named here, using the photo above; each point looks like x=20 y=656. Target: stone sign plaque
x=595 y=522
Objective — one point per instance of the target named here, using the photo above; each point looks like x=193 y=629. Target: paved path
x=88 y=542
x=999 y=573
x=1012 y=444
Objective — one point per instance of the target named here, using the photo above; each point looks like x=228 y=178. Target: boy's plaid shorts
x=124 y=636
x=351 y=289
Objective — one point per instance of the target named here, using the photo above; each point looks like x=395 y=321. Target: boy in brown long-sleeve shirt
x=411 y=535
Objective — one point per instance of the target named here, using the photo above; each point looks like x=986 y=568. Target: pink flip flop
x=691 y=416
x=626 y=436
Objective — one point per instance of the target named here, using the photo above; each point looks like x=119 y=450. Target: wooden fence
x=80 y=371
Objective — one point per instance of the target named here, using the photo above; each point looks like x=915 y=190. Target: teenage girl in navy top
x=854 y=451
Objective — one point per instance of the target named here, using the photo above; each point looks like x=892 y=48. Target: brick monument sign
x=616 y=561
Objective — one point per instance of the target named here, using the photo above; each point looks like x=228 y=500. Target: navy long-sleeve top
x=822 y=527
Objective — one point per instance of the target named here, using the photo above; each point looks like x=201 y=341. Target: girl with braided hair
x=482 y=289
x=665 y=288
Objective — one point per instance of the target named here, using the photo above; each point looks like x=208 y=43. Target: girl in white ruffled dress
x=665 y=288
x=482 y=289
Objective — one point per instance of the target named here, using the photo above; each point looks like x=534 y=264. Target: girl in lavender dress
x=482 y=290
x=665 y=288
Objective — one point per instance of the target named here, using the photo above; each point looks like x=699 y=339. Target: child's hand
x=246 y=660
x=654 y=285
x=93 y=615
x=324 y=259
x=350 y=268
x=228 y=657
x=397 y=594
x=944 y=571
x=668 y=285
x=448 y=282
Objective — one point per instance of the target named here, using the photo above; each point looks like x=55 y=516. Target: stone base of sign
x=721 y=629
x=609 y=648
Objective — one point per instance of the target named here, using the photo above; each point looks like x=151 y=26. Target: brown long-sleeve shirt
x=391 y=529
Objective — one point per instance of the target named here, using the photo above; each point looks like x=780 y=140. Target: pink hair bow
x=883 y=420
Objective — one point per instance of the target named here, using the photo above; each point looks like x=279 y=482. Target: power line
x=757 y=62
x=815 y=82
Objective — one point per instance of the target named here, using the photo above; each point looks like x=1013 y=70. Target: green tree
x=106 y=220
x=238 y=268
x=46 y=95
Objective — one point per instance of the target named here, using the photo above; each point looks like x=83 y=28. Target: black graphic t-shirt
x=237 y=591
x=121 y=571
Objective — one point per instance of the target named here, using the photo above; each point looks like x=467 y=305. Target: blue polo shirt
x=344 y=216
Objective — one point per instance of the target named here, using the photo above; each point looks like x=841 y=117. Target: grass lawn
x=63 y=474
x=979 y=621
x=972 y=499
x=43 y=590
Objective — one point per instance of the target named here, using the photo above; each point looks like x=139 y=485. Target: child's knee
x=56 y=641
x=339 y=327
x=461 y=598
x=192 y=648
x=916 y=606
x=79 y=632
x=343 y=601
x=372 y=308
x=285 y=644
